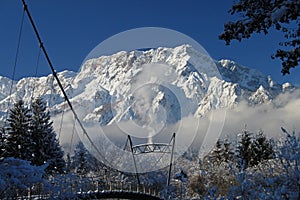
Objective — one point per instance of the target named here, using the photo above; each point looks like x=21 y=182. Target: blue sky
x=71 y=29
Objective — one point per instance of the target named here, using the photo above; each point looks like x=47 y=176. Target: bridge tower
x=152 y=148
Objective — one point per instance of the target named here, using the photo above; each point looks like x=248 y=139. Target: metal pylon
x=152 y=148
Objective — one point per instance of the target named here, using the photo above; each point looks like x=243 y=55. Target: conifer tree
x=228 y=154
x=83 y=162
x=2 y=142
x=216 y=153
x=19 y=141
x=47 y=147
x=222 y=152
x=262 y=149
x=68 y=163
x=244 y=151
x=80 y=160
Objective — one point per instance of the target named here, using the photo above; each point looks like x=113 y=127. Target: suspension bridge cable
x=157 y=161
x=15 y=62
x=134 y=162
x=116 y=162
x=164 y=152
x=57 y=79
x=171 y=160
x=73 y=131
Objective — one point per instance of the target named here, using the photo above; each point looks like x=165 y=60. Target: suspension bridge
x=96 y=191
x=108 y=190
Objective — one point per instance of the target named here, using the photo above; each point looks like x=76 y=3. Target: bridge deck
x=117 y=194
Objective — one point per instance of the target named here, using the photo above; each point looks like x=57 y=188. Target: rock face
x=114 y=88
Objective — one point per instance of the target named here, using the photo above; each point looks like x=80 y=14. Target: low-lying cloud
x=284 y=111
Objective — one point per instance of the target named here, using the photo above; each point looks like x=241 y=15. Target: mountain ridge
x=105 y=88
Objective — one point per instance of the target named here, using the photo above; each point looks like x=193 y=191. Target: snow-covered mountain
x=116 y=87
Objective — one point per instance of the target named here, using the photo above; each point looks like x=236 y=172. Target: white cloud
x=283 y=112
x=203 y=132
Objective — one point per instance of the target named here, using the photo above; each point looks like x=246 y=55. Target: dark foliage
x=46 y=146
x=29 y=136
x=244 y=149
x=81 y=160
x=262 y=149
x=252 y=150
x=19 y=140
x=2 y=142
x=258 y=16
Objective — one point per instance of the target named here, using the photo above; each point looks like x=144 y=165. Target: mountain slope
x=119 y=87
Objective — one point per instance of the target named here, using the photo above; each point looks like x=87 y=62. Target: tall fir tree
x=2 y=142
x=216 y=153
x=222 y=152
x=19 y=140
x=228 y=154
x=46 y=147
x=262 y=148
x=82 y=160
x=68 y=163
x=244 y=149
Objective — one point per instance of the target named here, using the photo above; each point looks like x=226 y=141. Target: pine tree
x=19 y=141
x=222 y=152
x=47 y=147
x=244 y=151
x=68 y=163
x=262 y=149
x=228 y=153
x=81 y=159
x=216 y=153
x=2 y=143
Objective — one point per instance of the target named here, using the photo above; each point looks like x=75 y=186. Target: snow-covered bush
x=17 y=175
x=213 y=178
x=69 y=185
x=277 y=178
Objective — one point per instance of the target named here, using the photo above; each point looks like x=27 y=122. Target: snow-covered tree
x=262 y=149
x=275 y=174
x=216 y=154
x=222 y=152
x=2 y=142
x=68 y=186
x=212 y=177
x=260 y=16
x=81 y=161
x=244 y=149
x=253 y=150
x=68 y=163
x=46 y=146
x=215 y=176
x=228 y=154
x=275 y=178
x=19 y=141
x=289 y=159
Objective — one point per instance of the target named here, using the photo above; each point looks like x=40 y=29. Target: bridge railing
x=70 y=188
x=130 y=187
